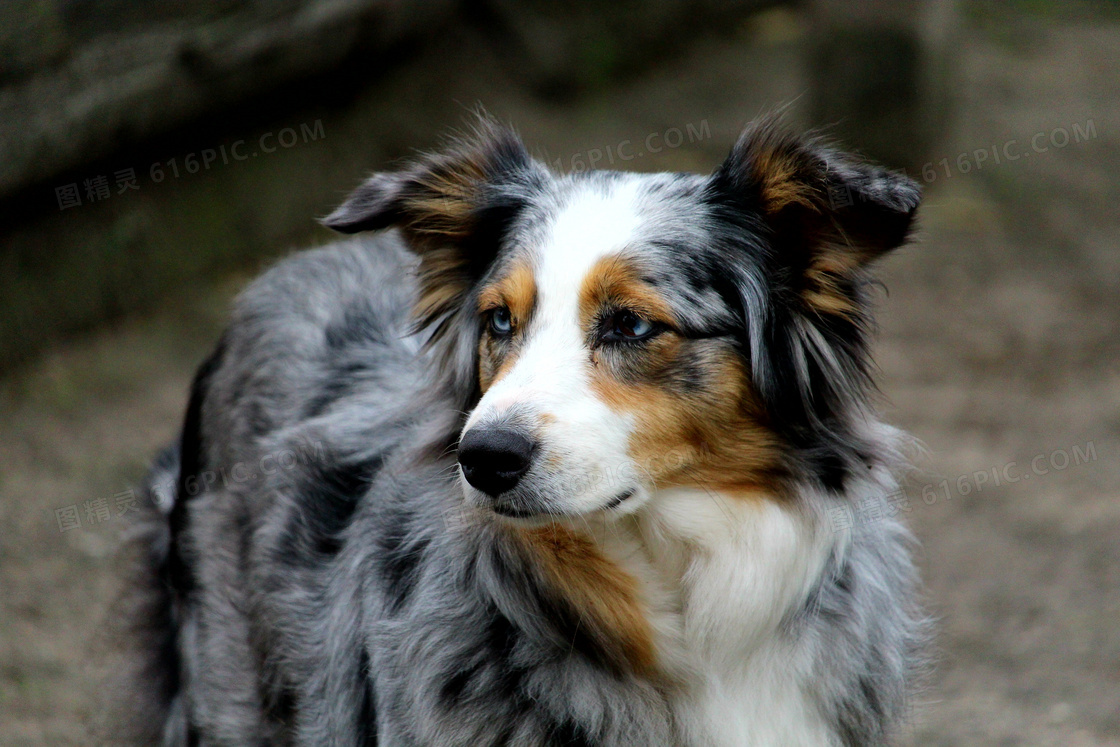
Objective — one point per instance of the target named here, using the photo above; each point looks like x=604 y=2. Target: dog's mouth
x=516 y=512
x=618 y=500
x=513 y=512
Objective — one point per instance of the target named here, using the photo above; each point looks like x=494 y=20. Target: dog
x=551 y=460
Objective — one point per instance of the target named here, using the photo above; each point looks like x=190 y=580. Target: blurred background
x=154 y=156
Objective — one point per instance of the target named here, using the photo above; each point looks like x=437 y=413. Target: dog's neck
x=718 y=575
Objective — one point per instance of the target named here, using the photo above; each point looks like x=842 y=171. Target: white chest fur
x=719 y=575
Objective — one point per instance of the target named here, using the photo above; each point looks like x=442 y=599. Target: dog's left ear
x=452 y=208
x=826 y=214
x=811 y=220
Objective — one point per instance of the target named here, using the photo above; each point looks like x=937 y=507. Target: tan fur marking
x=607 y=596
x=781 y=183
x=715 y=440
x=443 y=206
x=823 y=292
x=436 y=216
x=516 y=290
x=441 y=283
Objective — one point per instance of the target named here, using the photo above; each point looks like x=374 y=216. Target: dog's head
x=615 y=333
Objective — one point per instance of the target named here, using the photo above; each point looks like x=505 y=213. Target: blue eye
x=626 y=325
x=501 y=323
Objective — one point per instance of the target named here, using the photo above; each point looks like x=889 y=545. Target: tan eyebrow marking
x=517 y=291
x=616 y=281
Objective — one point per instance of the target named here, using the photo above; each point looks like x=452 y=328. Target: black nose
x=494 y=459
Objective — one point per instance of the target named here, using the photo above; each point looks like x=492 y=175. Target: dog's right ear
x=453 y=208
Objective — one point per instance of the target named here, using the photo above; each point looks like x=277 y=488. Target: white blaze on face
x=582 y=454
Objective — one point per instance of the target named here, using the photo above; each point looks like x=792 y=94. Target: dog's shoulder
x=313 y=284
x=317 y=301
x=307 y=332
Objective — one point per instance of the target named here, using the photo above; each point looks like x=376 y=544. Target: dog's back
x=322 y=327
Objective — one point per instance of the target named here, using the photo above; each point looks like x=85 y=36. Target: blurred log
x=563 y=46
x=881 y=73
x=80 y=79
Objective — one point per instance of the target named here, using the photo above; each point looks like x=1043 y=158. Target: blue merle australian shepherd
x=565 y=458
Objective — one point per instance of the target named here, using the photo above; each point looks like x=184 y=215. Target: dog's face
x=606 y=356
x=619 y=333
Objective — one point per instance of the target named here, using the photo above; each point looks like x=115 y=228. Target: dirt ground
x=999 y=350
